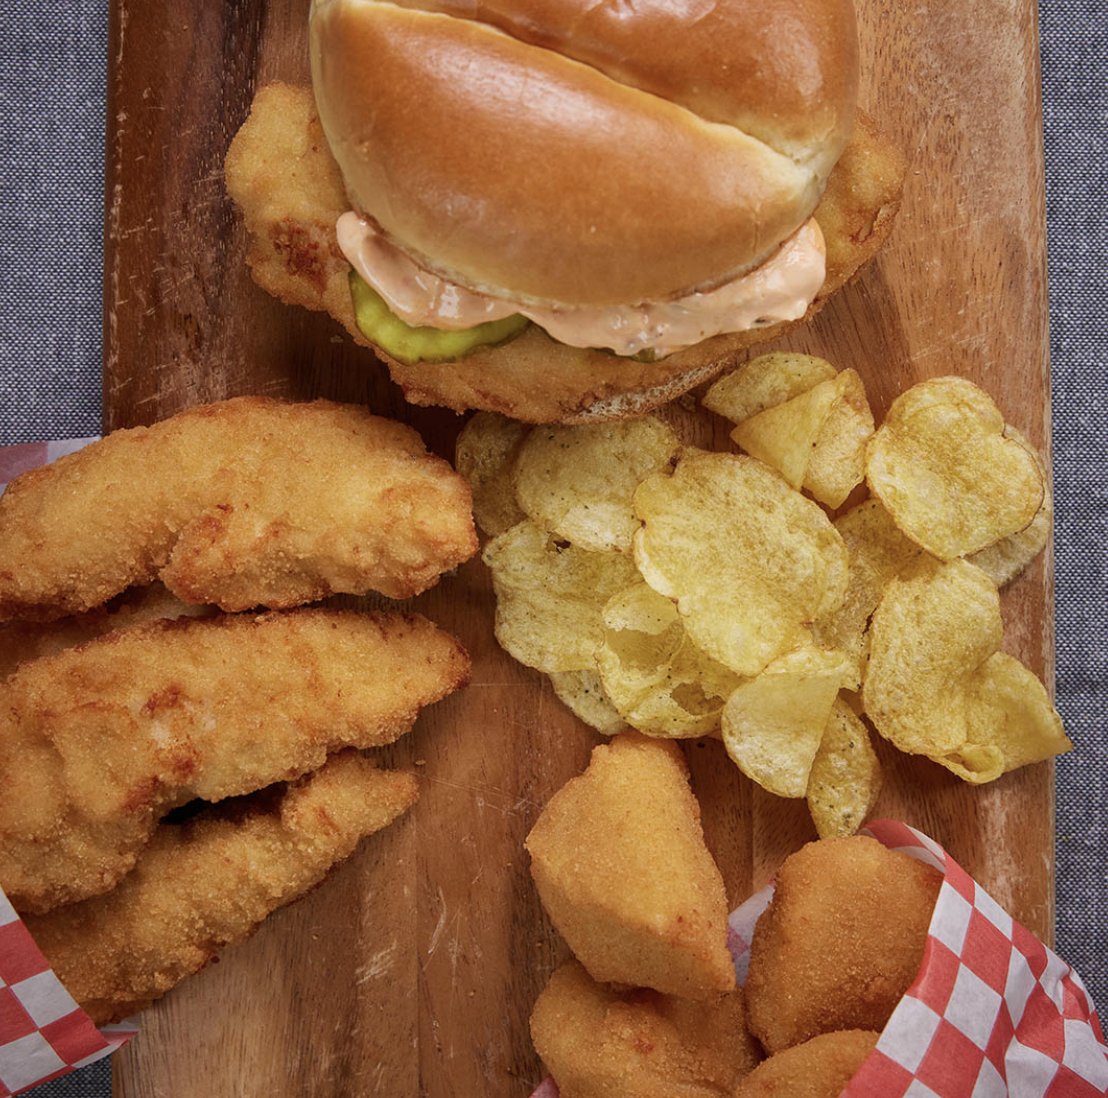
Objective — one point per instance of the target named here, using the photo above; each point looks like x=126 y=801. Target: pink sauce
x=781 y=289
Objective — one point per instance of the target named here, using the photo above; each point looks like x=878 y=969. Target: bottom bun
x=282 y=176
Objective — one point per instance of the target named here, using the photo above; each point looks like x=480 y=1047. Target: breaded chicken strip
x=841 y=941
x=250 y=502
x=21 y=641
x=202 y=885
x=601 y=1043
x=99 y=742
x=282 y=176
x=819 y=1068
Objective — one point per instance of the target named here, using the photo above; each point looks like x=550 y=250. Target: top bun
x=568 y=152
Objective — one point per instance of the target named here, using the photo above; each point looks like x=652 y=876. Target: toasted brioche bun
x=563 y=153
x=281 y=174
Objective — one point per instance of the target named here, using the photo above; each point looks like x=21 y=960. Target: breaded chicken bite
x=819 y=1068
x=601 y=1043
x=841 y=941
x=619 y=859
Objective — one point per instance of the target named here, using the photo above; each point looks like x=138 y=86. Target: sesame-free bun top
x=580 y=153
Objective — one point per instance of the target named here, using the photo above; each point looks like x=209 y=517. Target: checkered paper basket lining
x=43 y=1033
x=19 y=459
x=992 y=1013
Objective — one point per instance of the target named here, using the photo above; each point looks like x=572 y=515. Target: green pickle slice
x=381 y=326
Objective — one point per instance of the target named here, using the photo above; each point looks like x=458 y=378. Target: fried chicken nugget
x=619 y=860
x=281 y=174
x=204 y=884
x=250 y=502
x=819 y=1068
x=841 y=941
x=98 y=742
x=600 y=1043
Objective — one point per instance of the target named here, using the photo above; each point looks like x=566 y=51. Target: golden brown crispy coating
x=21 y=641
x=250 y=502
x=619 y=860
x=857 y=210
x=601 y=1043
x=204 y=884
x=98 y=742
x=841 y=941
x=282 y=176
x=819 y=1068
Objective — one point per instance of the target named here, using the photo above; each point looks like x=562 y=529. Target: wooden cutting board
x=412 y=971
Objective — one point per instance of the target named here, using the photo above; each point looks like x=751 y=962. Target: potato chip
x=773 y=725
x=845 y=778
x=943 y=467
x=640 y=609
x=549 y=595
x=1006 y=559
x=748 y=561
x=1011 y=722
x=484 y=455
x=933 y=628
x=852 y=699
x=877 y=551
x=578 y=481
x=799 y=416
x=784 y=435
x=658 y=680
x=838 y=461
x=583 y=693
x=763 y=382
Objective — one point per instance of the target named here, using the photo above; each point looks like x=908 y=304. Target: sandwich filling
x=780 y=289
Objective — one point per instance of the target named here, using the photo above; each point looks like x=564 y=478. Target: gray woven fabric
x=94 y=1081
x=1075 y=88
x=52 y=64
x=52 y=107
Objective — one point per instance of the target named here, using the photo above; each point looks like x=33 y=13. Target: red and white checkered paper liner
x=992 y=1013
x=43 y=1033
x=18 y=459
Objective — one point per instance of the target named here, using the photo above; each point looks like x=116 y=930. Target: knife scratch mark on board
x=378 y=965
x=455 y=950
x=440 y=926
x=481 y=794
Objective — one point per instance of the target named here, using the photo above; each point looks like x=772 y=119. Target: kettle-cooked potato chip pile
x=687 y=593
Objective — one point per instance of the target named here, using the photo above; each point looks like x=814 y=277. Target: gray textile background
x=52 y=80
x=52 y=88
x=1075 y=100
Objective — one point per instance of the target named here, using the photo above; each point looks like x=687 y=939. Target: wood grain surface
x=413 y=969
